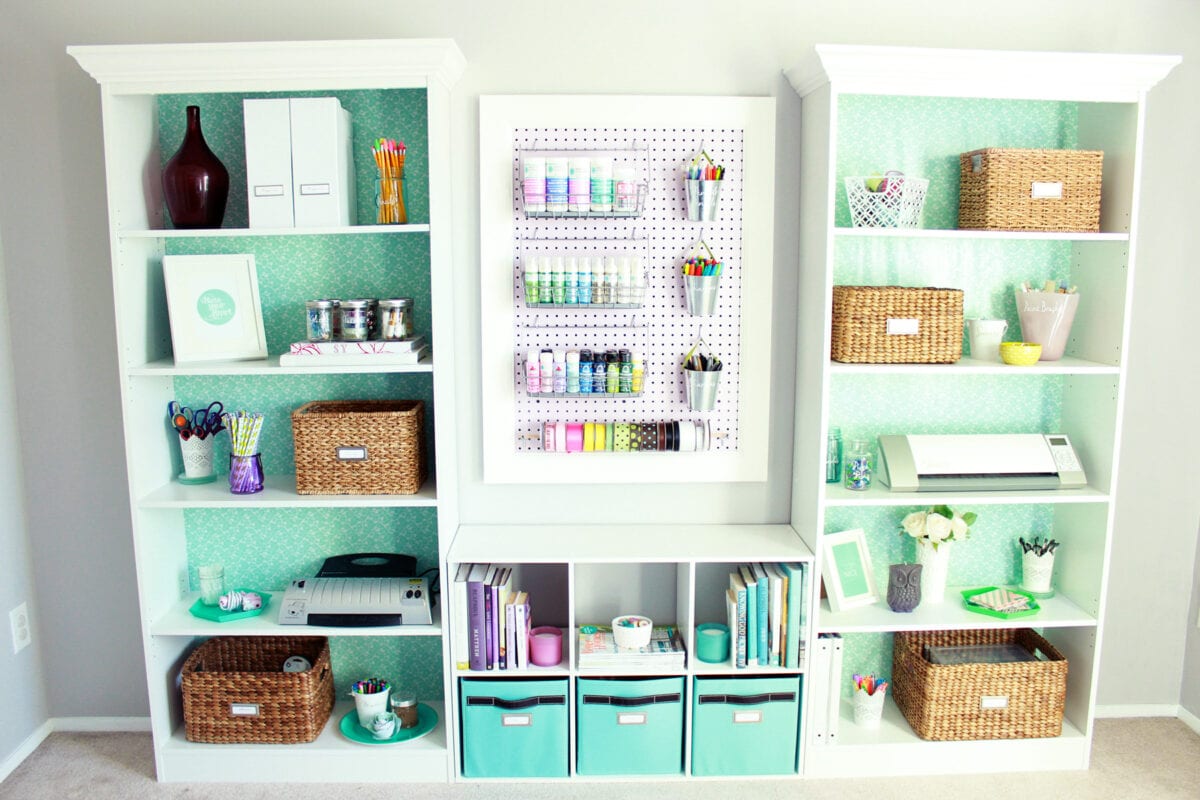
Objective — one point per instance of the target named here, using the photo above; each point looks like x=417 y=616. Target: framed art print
x=846 y=568
x=214 y=308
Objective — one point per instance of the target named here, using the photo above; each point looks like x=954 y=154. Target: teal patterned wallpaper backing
x=924 y=136
x=277 y=396
x=990 y=556
x=267 y=548
x=988 y=272
x=294 y=269
x=399 y=114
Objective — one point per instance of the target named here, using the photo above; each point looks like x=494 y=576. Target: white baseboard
x=1136 y=710
x=101 y=724
x=24 y=749
x=1189 y=719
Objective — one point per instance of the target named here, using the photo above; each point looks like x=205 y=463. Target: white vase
x=935 y=566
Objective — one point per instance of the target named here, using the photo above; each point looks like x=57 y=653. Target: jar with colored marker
x=858 y=465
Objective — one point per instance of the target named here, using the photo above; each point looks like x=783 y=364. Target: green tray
x=1029 y=612
x=426 y=721
x=215 y=614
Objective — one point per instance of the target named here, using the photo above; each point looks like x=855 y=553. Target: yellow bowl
x=1020 y=354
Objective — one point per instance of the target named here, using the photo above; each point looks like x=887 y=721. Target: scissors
x=200 y=422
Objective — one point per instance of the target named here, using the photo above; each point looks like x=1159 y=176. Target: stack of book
x=598 y=650
x=491 y=619
x=767 y=611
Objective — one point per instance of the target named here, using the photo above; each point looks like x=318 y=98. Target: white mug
x=984 y=336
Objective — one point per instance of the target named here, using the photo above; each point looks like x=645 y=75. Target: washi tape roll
x=621 y=445
x=589 y=437
x=548 y=437
x=599 y=431
x=685 y=441
x=560 y=437
x=611 y=434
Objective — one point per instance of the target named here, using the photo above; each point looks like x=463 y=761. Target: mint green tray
x=1029 y=612
x=215 y=614
x=426 y=721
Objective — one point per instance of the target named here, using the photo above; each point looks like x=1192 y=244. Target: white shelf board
x=270 y=366
x=225 y=233
x=621 y=544
x=1056 y=612
x=279 y=491
x=971 y=366
x=178 y=621
x=331 y=757
x=958 y=233
x=894 y=749
x=879 y=495
x=727 y=670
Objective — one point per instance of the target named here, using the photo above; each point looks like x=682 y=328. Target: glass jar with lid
x=396 y=318
x=355 y=316
x=319 y=320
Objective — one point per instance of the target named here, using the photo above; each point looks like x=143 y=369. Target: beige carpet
x=1131 y=759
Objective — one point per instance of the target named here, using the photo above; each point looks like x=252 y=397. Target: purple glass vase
x=195 y=182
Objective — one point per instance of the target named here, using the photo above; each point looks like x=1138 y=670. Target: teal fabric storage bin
x=745 y=726
x=514 y=728
x=629 y=726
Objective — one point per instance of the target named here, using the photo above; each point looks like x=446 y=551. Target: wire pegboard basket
x=886 y=202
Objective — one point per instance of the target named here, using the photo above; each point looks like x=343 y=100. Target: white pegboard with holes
x=661 y=331
x=658 y=138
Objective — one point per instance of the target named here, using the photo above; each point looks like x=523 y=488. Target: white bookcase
x=174 y=525
x=870 y=109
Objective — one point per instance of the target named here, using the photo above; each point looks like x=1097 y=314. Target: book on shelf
x=796 y=617
x=477 y=639
x=763 y=609
x=508 y=653
x=525 y=621
x=462 y=624
x=353 y=359
x=835 y=687
x=369 y=348
x=738 y=633
x=598 y=650
x=737 y=642
x=502 y=588
x=751 y=584
x=775 y=627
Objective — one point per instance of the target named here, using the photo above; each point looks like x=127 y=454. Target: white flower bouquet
x=938 y=524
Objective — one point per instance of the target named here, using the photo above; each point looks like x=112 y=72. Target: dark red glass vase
x=195 y=182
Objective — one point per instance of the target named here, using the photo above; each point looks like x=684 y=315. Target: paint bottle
x=625 y=384
x=584 y=278
x=602 y=185
x=545 y=281
x=570 y=282
x=639 y=373
x=559 y=280
x=579 y=185
x=612 y=372
x=585 y=371
x=556 y=185
x=546 y=370
x=599 y=290
x=531 y=281
x=625 y=191
x=572 y=372
x=611 y=279
x=625 y=286
x=560 y=371
x=533 y=176
x=533 y=375
x=599 y=373
x=638 y=295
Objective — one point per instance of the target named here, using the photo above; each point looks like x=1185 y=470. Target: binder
x=322 y=167
x=269 y=162
x=835 y=687
x=818 y=707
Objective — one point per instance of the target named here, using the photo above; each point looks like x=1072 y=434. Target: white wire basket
x=897 y=205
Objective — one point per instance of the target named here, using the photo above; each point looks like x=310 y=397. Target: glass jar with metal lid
x=319 y=315
x=404 y=706
x=355 y=316
x=396 y=318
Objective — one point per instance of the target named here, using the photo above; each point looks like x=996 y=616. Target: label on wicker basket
x=352 y=454
x=993 y=701
x=903 y=327
x=1046 y=190
x=243 y=709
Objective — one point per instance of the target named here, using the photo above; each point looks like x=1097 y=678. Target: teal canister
x=712 y=642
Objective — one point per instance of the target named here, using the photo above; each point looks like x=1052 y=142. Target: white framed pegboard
x=657 y=137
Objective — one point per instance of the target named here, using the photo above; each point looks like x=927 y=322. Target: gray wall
x=52 y=220
x=22 y=692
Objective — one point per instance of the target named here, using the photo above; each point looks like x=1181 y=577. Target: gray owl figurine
x=904 y=587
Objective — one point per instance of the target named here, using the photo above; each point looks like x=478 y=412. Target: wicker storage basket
x=1030 y=190
x=945 y=702
x=897 y=325
x=236 y=692
x=359 y=446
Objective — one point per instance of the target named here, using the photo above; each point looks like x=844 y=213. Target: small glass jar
x=320 y=320
x=356 y=325
x=336 y=313
x=404 y=706
x=858 y=466
x=372 y=319
x=395 y=319
x=833 y=456
x=212 y=583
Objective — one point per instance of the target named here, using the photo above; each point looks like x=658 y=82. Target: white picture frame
x=214 y=308
x=846 y=570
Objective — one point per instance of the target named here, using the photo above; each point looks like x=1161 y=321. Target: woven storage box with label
x=896 y=325
x=236 y=692
x=1030 y=190
x=950 y=702
x=359 y=446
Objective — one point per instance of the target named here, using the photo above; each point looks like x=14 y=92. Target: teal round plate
x=426 y=721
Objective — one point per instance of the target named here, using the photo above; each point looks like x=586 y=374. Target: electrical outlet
x=22 y=634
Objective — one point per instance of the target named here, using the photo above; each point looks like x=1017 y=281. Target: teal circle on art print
x=216 y=307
